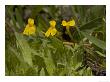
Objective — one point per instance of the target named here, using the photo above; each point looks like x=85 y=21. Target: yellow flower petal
x=64 y=23
x=29 y=30
x=68 y=24
x=31 y=21
x=32 y=30
x=26 y=30
x=53 y=31
x=71 y=23
x=52 y=23
x=48 y=32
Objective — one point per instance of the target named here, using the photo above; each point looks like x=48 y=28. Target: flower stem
x=69 y=33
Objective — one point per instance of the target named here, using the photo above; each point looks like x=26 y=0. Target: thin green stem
x=69 y=33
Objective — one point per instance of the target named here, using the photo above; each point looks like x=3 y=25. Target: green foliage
x=19 y=18
x=97 y=42
x=82 y=54
x=92 y=24
x=24 y=48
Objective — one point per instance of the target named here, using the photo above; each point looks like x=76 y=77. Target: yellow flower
x=30 y=28
x=52 y=23
x=52 y=30
x=68 y=24
x=31 y=21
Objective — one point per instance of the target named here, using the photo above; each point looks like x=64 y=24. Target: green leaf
x=16 y=53
x=10 y=12
x=88 y=71
x=56 y=42
x=92 y=24
x=36 y=10
x=101 y=44
x=19 y=18
x=97 y=11
x=103 y=55
x=49 y=63
x=42 y=26
x=25 y=49
x=42 y=72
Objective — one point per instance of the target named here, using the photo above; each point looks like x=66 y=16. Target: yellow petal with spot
x=71 y=23
x=64 y=23
x=53 y=31
x=32 y=30
x=29 y=30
